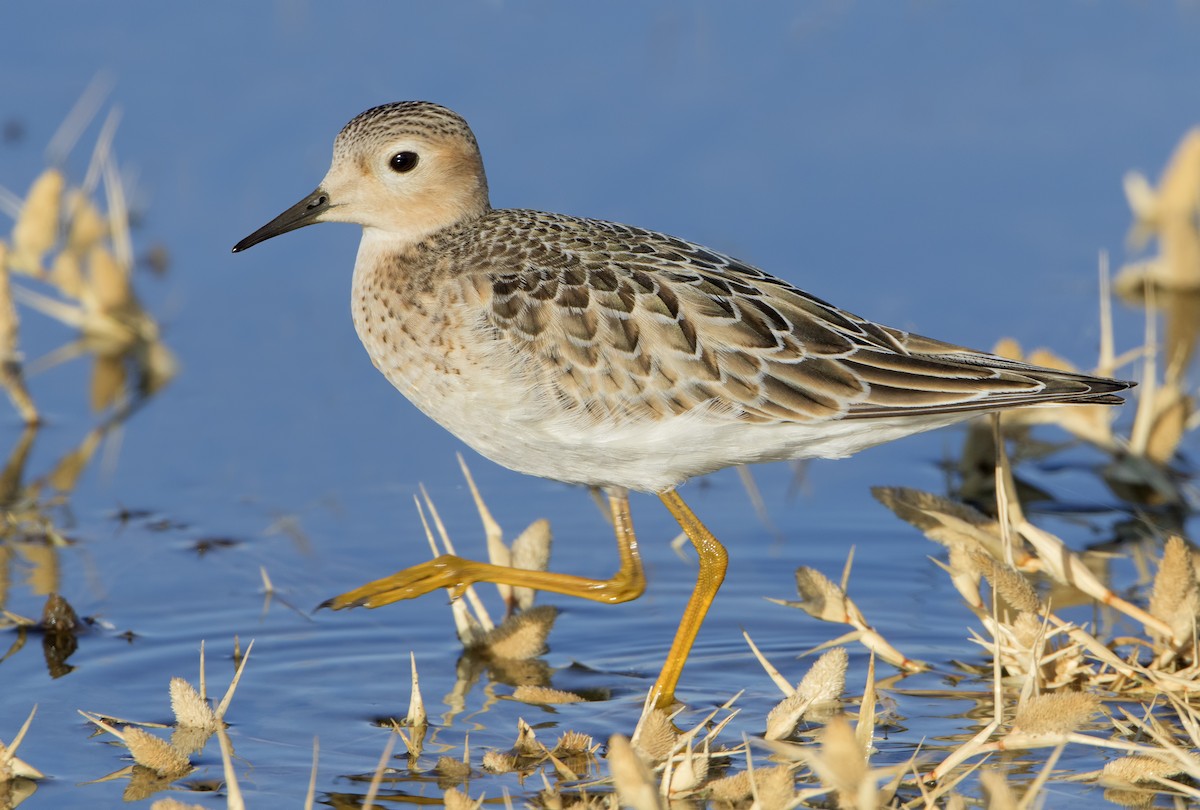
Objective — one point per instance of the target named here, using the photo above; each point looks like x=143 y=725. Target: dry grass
x=74 y=242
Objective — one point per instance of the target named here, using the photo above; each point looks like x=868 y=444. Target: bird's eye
x=402 y=162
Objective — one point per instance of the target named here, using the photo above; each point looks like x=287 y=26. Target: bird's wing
x=620 y=322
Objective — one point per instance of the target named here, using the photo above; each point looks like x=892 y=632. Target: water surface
x=947 y=169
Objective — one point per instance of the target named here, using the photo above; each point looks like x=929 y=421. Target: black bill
x=302 y=213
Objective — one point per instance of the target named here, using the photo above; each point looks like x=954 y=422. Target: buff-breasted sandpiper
x=611 y=356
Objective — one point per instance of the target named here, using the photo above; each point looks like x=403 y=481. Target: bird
x=610 y=356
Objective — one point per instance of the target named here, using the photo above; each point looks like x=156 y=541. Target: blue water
x=950 y=169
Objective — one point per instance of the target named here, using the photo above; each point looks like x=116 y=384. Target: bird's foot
x=446 y=571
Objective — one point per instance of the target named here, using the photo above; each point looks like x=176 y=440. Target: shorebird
x=611 y=356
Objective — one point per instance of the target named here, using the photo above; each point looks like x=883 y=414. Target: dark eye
x=403 y=162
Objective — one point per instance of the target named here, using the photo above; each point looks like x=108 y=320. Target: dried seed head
x=927 y=511
x=36 y=229
x=1092 y=423
x=819 y=596
x=108 y=289
x=521 y=636
x=1056 y=713
x=1143 y=203
x=689 y=772
x=174 y=804
x=144 y=783
x=155 y=753
x=1176 y=597
x=731 y=789
x=573 y=743
x=635 y=787
x=109 y=376
x=1012 y=587
x=826 y=678
x=1133 y=798
x=1171 y=408
x=822 y=684
x=452 y=768
x=845 y=762
x=158 y=367
x=656 y=735
x=775 y=787
x=66 y=273
x=527 y=742
x=968 y=561
x=188 y=740
x=1026 y=628
x=87 y=226
x=965 y=574
x=499 y=762
x=944 y=521
x=455 y=799
x=1174 y=210
x=190 y=709
x=1071 y=668
x=531 y=551
x=996 y=788
x=1134 y=769
x=1008 y=348
x=8 y=311
x=782 y=720
x=544 y=694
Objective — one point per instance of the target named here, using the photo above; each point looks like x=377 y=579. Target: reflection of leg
x=456 y=573
x=713 y=560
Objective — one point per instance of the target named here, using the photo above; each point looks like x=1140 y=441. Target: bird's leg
x=456 y=573
x=713 y=560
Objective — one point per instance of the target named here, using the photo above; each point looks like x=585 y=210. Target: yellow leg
x=713 y=561
x=456 y=573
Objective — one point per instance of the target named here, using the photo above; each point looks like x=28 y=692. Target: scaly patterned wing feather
x=671 y=327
